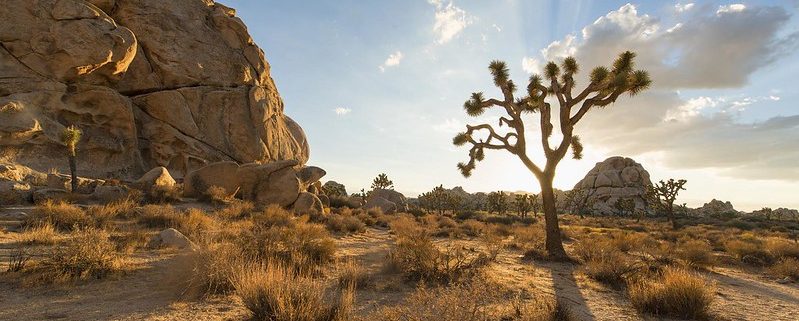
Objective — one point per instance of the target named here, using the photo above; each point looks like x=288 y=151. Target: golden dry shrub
x=786 y=268
x=89 y=254
x=353 y=274
x=695 y=253
x=676 y=293
x=276 y=293
x=749 y=250
x=213 y=268
x=62 y=216
x=418 y=258
x=458 y=302
x=42 y=234
x=159 y=216
x=235 y=210
x=782 y=248
x=347 y=224
x=277 y=235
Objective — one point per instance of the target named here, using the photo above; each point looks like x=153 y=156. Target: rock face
x=612 y=179
x=177 y=84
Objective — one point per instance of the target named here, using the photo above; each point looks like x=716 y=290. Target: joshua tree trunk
x=554 y=243
x=73 y=172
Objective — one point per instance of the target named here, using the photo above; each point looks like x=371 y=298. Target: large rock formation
x=177 y=84
x=613 y=179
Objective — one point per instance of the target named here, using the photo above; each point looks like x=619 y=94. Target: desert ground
x=147 y=281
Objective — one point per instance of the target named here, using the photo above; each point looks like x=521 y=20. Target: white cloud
x=531 y=65
x=451 y=125
x=700 y=132
x=499 y=29
x=675 y=28
x=449 y=20
x=560 y=49
x=690 y=109
x=392 y=60
x=731 y=8
x=683 y=7
x=774 y=98
x=341 y=111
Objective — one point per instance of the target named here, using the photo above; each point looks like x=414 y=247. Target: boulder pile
x=284 y=183
x=613 y=179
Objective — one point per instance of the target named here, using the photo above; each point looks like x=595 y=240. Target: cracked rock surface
x=178 y=84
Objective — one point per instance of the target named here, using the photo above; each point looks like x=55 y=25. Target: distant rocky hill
x=150 y=82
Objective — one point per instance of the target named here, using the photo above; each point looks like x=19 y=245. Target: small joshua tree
x=523 y=204
x=382 y=182
x=579 y=201
x=604 y=87
x=439 y=199
x=662 y=195
x=497 y=202
x=70 y=137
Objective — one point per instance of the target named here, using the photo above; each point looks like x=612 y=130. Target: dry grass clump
x=127 y=242
x=217 y=195
x=62 y=216
x=90 y=254
x=415 y=255
x=352 y=274
x=277 y=234
x=531 y=240
x=543 y=310
x=43 y=234
x=458 y=302
x=194 y=223
x=159 y=216
x=347 y=224
x=235 y=210
x=675 y=293
x=786 y=268
x=750 y=251
x=276 y=293
x=695 y=253
x=473 y=228
x=605 y=263
x=472 y=301
x=214 y=267
x=781 y=248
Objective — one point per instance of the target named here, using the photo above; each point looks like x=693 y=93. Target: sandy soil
x=152 y=289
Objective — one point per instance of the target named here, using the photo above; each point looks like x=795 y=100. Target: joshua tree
x=662 y=196
x=523 y=204
x=497 y=202
x=70 y=137
x=579 y=201
x=382 y=182
x=439 y=199
x=604 y=87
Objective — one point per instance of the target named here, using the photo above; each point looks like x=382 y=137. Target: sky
x=378 y=86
